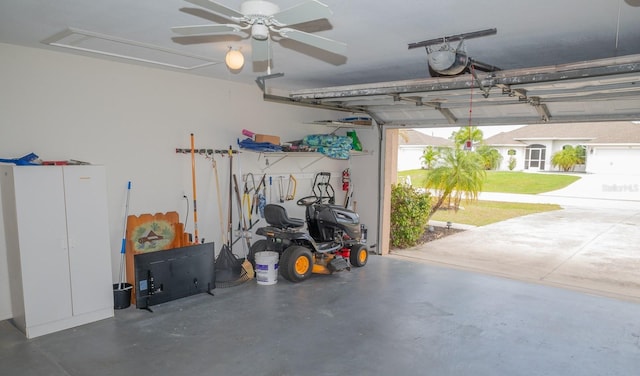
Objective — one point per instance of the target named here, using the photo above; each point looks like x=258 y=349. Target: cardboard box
x=267 y=138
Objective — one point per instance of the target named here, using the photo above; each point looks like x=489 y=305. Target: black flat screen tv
x=171 y=274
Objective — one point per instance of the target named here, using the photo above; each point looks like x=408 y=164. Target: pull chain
x=470 y=141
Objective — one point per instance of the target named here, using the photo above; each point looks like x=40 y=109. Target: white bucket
x=267 y=268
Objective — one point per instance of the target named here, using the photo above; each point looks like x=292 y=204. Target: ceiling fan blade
x=219 y=9
x=315 y=41
x=309 y=11
x=259 y=50
x=205 y=29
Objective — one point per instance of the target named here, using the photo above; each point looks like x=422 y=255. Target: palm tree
x=490 y=156
x=568 y=157
x=429 y=156
x=462 y=135
x=461 y=174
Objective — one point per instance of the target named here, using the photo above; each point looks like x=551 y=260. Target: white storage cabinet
x=58 y=251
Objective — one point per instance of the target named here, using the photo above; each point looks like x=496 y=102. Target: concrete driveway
x=592 y=245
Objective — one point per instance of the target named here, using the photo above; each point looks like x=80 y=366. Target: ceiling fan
x=263 y=20
x=447 y=60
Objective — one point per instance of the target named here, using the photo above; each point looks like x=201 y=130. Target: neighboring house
x=609 y=147
x=411 y=145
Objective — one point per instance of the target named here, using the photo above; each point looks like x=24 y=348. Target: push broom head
x=229 y=269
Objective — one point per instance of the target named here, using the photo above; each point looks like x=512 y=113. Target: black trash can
x=121 y=295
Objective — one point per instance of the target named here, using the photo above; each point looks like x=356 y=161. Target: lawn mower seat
x=276 y=216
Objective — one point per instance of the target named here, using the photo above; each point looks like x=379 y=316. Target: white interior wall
x=131 y=118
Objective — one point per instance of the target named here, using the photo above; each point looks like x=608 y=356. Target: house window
x=511 y=152
x=534 y=157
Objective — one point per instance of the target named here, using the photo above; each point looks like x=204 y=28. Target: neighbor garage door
x=624 y=160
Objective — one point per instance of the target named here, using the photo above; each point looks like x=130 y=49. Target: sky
x=487 y=130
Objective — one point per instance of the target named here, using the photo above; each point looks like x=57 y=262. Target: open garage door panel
x=601 y=90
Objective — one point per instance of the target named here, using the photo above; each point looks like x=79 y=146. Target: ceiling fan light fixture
x=260 y=31
x=265 y=20
x=234 y=59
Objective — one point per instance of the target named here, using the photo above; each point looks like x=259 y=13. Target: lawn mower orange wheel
x=296 y=264
x=359 y=255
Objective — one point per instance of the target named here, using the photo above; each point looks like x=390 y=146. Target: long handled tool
x=242 y=221
x=230 y=203
x=121 y=278
x=247 y=267
x=230 y=270
x=247 y=198
x=258 y=200
x=193 y=182
x=219 y=197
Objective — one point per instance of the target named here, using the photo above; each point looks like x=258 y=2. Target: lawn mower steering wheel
x=308 y=201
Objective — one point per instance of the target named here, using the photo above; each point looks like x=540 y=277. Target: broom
x=123 y=246
x=248 y=269
x=246 y=264
x=229 y=271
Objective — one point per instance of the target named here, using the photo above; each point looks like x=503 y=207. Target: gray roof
x=589 y=133
x=416 y=138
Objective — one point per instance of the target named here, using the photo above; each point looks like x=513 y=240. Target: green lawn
x=482 y=213
x=508 y=181
x=485 y=212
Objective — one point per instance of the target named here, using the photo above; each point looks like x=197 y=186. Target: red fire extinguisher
x=346 y=179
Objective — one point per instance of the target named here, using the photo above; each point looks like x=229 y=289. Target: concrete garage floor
x=392 y=317
x=591 y=245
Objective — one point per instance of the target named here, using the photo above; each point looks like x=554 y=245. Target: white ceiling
x=377 y=32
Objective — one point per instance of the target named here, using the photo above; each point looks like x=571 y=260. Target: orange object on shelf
x=267 y=138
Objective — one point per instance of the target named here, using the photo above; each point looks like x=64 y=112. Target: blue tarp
x=248 y=143
x=28 y=160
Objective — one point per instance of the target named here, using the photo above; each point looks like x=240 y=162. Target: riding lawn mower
x=331 y=241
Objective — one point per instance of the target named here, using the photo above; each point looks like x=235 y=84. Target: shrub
x=409 y=215
x=512 y=163
x=567 y=158
x=490 y=157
